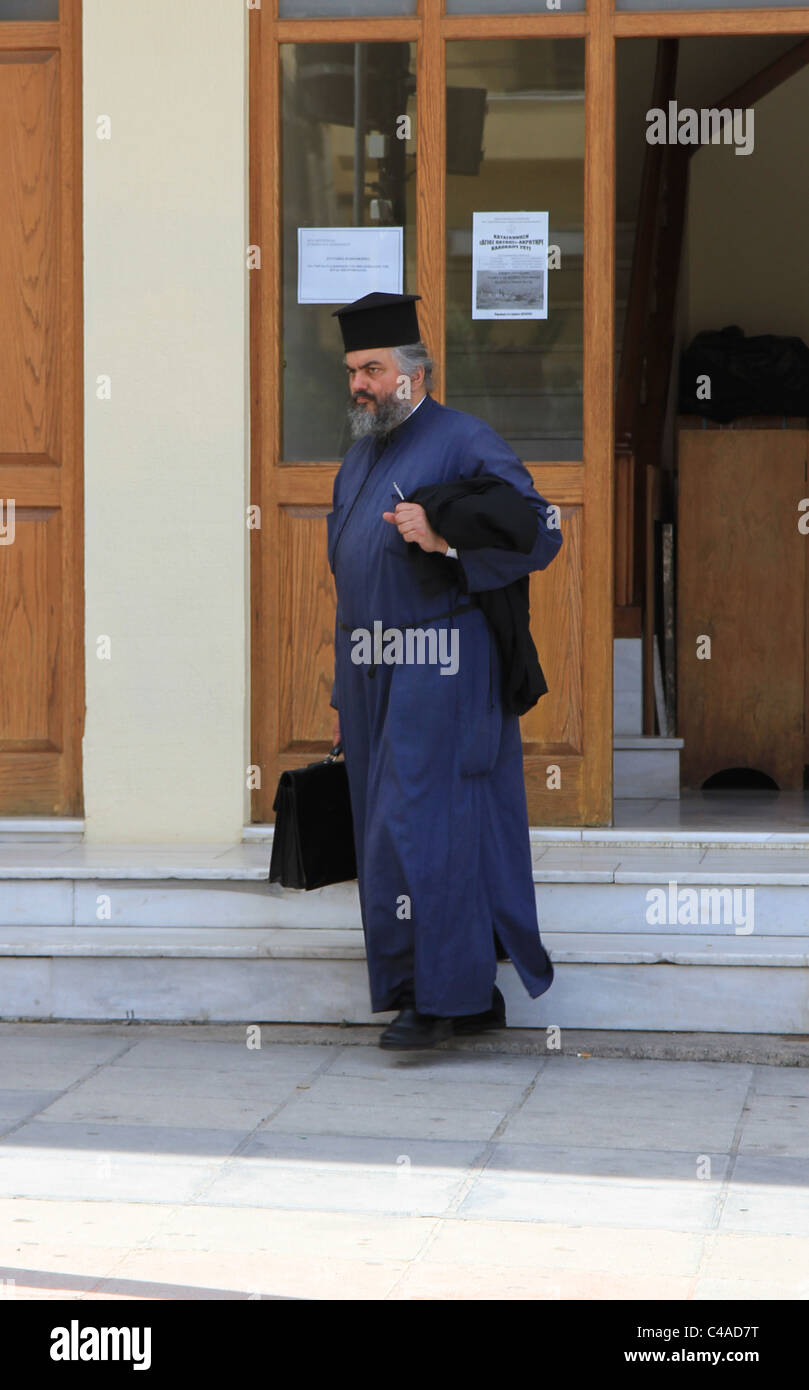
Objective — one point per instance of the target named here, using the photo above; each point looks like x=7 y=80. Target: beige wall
x=166 y=458
x=749 y=223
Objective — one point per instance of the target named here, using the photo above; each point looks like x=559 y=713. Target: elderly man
x=434 y=759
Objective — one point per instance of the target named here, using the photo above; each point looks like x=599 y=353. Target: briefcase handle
x=335 y=753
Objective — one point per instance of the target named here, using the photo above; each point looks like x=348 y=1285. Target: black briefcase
x=313 y=841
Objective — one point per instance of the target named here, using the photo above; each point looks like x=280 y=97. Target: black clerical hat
x=379 y=320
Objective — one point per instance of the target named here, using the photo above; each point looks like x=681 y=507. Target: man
x=434 y=761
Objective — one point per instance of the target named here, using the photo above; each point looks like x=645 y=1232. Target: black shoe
x=495 y=1017
x=410 y=1029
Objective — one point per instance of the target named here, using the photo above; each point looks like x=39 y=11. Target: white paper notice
x=509 y=265
x=337 y=265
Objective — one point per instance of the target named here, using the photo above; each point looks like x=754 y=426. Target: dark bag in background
x=313 y=841
x=765 y=375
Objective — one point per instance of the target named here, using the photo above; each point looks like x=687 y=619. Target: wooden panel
x=552 y=25
x=312 y=483
x=307 y=651
x=558 y=482
x=741 y=565
x=556 y=626
x=41 y=417
x=30 y=620
x=554 y=726
x=547 y=804
x=663 y=23
x=32 y=34
x=29 y=170
x=595 y=803
x=365 y=30
x=31 y=479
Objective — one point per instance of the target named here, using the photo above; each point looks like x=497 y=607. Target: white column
x=166 y=457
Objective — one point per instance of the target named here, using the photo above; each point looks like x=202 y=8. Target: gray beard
x=389 y=413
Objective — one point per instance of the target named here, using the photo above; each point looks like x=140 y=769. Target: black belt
x=394 y=627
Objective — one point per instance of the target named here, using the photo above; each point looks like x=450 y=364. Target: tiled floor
x=766 y=812
x=166 y=1167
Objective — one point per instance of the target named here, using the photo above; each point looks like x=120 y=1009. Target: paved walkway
x=165 y=1162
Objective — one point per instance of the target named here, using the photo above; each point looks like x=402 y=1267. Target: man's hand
x=336 y=734
x=413 y=525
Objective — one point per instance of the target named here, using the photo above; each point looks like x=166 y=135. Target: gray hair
x=410 y=357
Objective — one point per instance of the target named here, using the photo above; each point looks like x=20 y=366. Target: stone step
x=662 y=840
x=665 y=982
x=677 y=936
x=646 y=766
x=15 y=830
x=591 y=883
x=633 y=835
x=676 y=947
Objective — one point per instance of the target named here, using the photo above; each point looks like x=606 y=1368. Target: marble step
x=15 y=830
x=579 y=886
x=756 y=822
x=646 y=766
x=661 y=840
x=661 y=981
x=285 y=943
x=576 y=897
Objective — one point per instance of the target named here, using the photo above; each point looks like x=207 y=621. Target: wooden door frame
x=588 y=484
x=53 y=765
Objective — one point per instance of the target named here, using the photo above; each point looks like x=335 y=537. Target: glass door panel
x=515 y=143
x=511 y=7
x=29 y=9
x=345 y=163
x=709 y=4
x=334 y=9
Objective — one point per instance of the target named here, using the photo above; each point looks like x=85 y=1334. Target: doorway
x=712 y=419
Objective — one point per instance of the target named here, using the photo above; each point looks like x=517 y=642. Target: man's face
x=372 y=377
x=381 y=396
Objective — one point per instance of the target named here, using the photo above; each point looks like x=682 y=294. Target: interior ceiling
x=708 y=69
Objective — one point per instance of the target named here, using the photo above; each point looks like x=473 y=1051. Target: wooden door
x=741 y=583
x=41 y=541
x=547 y=144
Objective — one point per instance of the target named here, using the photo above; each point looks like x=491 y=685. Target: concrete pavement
x=170 y=1162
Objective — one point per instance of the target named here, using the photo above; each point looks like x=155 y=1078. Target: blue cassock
x=434 y=764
